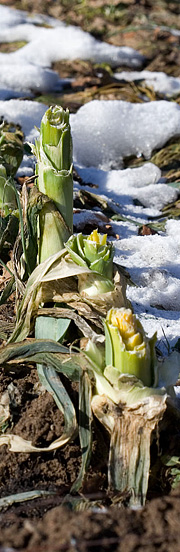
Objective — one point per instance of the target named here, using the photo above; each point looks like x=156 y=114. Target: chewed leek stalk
x=53 y=150
x=130 y=351
x=94 y=252
x=130 y=398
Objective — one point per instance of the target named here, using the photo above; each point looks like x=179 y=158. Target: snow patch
x=121 y=129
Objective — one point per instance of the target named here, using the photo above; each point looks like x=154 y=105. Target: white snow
x=9 y=93
x=10 y=17
x=73 y=43
x=26 y=77
x=104 y=133
x=122 y=186
x=47 y=45
x=114 y=179
x=159 y=81
x=154 y=265
x=26 y=113
x=121 y=129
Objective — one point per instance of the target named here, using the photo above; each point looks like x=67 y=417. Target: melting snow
x=159 y=81
x=25 y=78
x=122 y=186
x=26 y=113
x=121 y=129
x=57 y=43
x=11 y=17
x=153 y=263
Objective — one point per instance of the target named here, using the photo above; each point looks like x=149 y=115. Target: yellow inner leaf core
x=127 y=324
x=98 y=238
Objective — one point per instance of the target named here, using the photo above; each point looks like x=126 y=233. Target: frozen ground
x=103 y=134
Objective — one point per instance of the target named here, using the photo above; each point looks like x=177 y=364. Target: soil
x=154 y=528
x=49 y=524
x=58 y=522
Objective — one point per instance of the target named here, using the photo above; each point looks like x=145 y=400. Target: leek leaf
x=22 y=497
x=46 y=352
x=52 y=383
x=85 y=432
x=47 y=283
x=47 y=327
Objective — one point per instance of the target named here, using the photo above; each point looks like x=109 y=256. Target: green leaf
x=56 y=328
x=48 y=327
x=46 y=352
x=176 y=471
x=170 y=460
x=85 y=431
x=29 y=348
x=52 y=383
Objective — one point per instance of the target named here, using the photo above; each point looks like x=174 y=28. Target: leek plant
x=54 y=170
x=94 y=252
x=53 y=150
x=121 y=382
x=130 y=397
x=72 y=269
x=79 y=274
x=56 y=280
x=130 y=387
x=49 y=212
